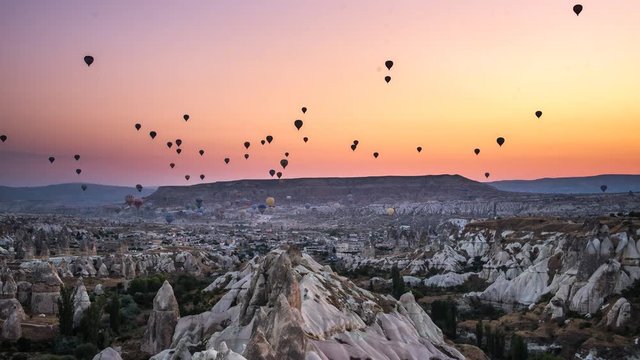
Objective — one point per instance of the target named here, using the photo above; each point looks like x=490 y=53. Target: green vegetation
x=65 y=310
x=518 y=349
x=444 y=314
x=397 y=282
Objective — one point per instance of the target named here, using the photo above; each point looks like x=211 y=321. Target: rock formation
x=162 y=321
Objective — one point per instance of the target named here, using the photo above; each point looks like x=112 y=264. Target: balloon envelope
x=388 y=64
x=486 y=175
x=577 y=8
x=419 y=148
x=270 y=201
x=172 y=165
x=88 y=60
x=272 y=172
x=78 y=171
x=139 y=187
x=169 y=144
x=375 y=155
x=246 y=156
x=387 y=79
x=226 y=160
x=538 y=114
x=304 y=110
x=305 y=139
x=153 y=134
x=247 y=144
x=477 y=151
x=77 y=157
x=201 y=152
x=185 y=117
x=279 y=174
x=178 y=142
x=353 y=147
x=84 y=187
x=284 y=163
x=138 y=127
x=269 y=139
x=500 y=141
x=298 y=124
x=390 y=211
x=603 y=188
x=52 y=159
x=3 y=138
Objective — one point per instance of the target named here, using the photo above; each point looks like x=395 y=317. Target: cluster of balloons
x=389 y=65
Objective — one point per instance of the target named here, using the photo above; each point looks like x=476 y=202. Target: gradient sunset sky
x=465 y=73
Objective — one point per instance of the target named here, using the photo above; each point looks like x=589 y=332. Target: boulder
x=620 y=314
x=81 y=302
x=12 y=329
x=108 y=354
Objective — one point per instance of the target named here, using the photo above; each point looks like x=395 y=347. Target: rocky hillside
x=572 y=185
x=287 y=306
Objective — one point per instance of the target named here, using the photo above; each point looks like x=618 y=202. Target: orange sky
x=465 y=73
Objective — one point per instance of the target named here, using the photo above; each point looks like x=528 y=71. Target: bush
x=85 y=351
x=65 y=344
x=23 y=345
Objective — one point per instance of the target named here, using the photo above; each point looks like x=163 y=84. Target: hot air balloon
x=153 y=134
x=262 y=142
x=172 y=165
x=477 y=151
x=3 y=138
x=269 y=139
x=272 y=172
x=138 y=203
x=284 y=163
x=262 y=208
x=419 y=148
x=247 y=144
x=139 y=188
x=178 y=150
x=185 y=117
x=187 y=177
x=78 y=171
x=246 y=156
x=129 y=199
x=353 y=147
x=201 y=152
x=390 y=211
x=304 y=110
x=387 y=78
x=169 y=144
x=286 y=154
x=538 y=114
x=168 y=217
x=388 y=64
x=603 y=188
x=486 y=175
x=83 y=187
x=356 y=142
x=88 y=60
x=500 y=141
x=375 y=155
x=271 y=202
x=298 y=124
x=52 y=159
x=138 y=127
x=226 y=160
x=279 y=174
x=305 y=139
x=577 y=8
x=201 y=176
x=307 y=206
x=178 y=142
x=77 y=157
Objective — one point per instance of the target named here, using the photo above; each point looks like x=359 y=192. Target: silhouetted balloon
x=298 y=124
x=187 y=177
x=77 y=157
x=172 y=165
x=356 y=142
x=284 y=163
x=139 y=187
x=419 y=148
x=138 y=203
x=486 y=175
x=538 y=114
x=246 y=156
x=269 y=139
x=88 y=60
x=3 y=138
x=286 y=154
x=262 y=142
x=226 y=160
x=388 y=64
x=178 y=150
x=201 y=152
x=83 y=187
x=52 y=159
x=477 y=151
x=168 y=217
x=305 y=139
x=178 y=142
x=387 y=79
x=279 y=174
x=262 y=208
x=603 y=188
x=185 y=117
x=138 y=127
x=304 y=110
x=353 y=147
x=247 y=144
x=375 y=155
x=78 y=171
x=500 y=141
x=153 y=134
x=202 y=177
x=577 y=9
x=272 y=172
x=169 y=144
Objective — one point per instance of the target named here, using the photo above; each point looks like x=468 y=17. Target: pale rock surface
x=108 y=354
x=162 y=321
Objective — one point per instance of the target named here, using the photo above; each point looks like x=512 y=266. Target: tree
x=519 y=350
x=115 y=316
x=479 y=333
x=397 y=282
x=91 y=324
x=65 y=310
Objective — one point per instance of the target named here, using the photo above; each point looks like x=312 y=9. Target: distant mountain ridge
x=572 y=185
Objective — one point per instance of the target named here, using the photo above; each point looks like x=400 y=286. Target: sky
x=465 y=72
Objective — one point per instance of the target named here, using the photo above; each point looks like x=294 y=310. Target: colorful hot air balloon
x=139 y=187
x=77 y=157
x=270 y=201
x=477 y=151
x=387 y=78
x=419 y=148
x=138 y=126
x=78 y=171
x=577 y=8
x=284 y=163
x=375 y=155
x=129 y=199
x=52 y=159
x=88 y=60
x=246 y=156
x=304 y=110
x=153 y=134
x=298 y=124
x=226 y=160
x=201 y=152
x=390 y=211
x=138 y=203
x=279 y=174
x=178 y=142
x=269 y=139
x=603 y=188
x=247 y=144
x=3 y=138
x=388 y=64
x=538 y=114
x=185 y=117
x=272 y=172
x=500 y=141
